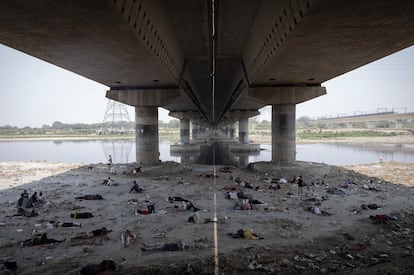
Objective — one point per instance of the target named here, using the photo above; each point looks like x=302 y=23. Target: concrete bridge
x=211 y=62
x=369 y=119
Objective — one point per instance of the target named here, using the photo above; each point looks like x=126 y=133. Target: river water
x=123 y=151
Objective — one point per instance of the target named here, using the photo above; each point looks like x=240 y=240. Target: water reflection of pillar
x=185 y=159
x=118 y=149
x=283 y=132
x=146 y=125
x=243 y=160
x=185 y=131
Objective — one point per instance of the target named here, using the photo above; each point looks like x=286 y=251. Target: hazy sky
x=35 y=93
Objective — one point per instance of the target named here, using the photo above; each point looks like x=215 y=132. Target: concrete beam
x=144 y=97
x=236 y=115
x=192 y=115
x=285 y=95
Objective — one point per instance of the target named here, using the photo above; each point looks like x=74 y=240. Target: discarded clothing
x=245 y=233
x=173 y=199
x=84 y=215
x=165 y=247
x=127 y=237
x=39 y=241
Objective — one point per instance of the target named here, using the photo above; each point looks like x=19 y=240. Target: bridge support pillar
x=146 y=102
x=232 y=130
x=194 y=130
x=146 y=134
x=284 y=100
x=184 y=131
x=283 y=132
x=244 y=130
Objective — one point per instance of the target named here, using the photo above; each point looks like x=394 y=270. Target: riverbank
x=295 y=241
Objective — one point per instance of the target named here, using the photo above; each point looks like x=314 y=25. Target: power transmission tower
x=117 y=115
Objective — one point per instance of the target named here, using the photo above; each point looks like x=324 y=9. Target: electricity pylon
x=117 y=114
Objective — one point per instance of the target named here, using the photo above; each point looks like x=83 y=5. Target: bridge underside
x=213 y=58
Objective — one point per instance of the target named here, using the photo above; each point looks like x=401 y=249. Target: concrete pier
x=146 y=129
x=244 y=130
x=184 y=131
x=283 y=132
x=232 y=130
x=194 y=130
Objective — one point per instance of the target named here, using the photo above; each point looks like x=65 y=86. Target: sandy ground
x=295 y=241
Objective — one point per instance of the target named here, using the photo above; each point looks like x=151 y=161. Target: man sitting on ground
x=136 y=188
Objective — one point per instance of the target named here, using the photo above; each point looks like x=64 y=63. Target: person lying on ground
x=372 y=206
x=190 y=206
x=237 y=195
x=178 y=246
x=227 y=169
x=317 y=211
x=274 y=186
x=39 y=241
x=254 y=201
x=91 y=234
x=136 y=188
x=90 y=197
x=335 y=191
x=382 y=218
x=243 y=183
x=103 y=268
x=195 y=218
x=21 y=212
x=150 y=210
x=173 y=199
x=245 y=233
x=64 y=224
x=82 y=215
x=244 y=205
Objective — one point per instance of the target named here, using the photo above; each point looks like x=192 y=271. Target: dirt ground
x=294 y=240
